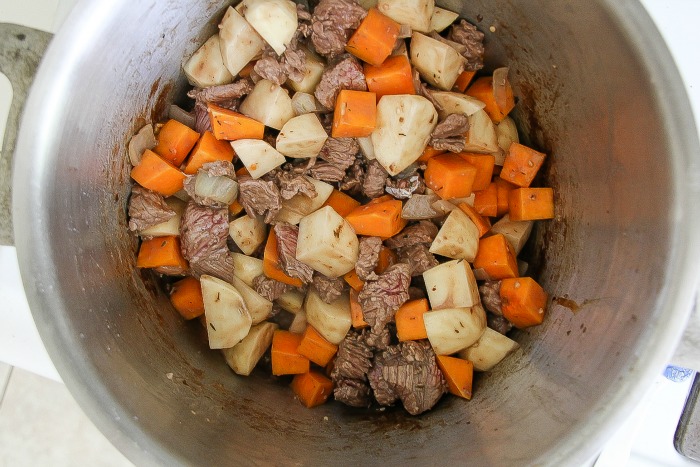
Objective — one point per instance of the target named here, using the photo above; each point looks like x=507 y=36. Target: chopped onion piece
x=219 y=189
x=304 y=103
x=500 y=87
x=144 y=139
x=181 y=115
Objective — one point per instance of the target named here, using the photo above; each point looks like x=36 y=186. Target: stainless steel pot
x=597 y=90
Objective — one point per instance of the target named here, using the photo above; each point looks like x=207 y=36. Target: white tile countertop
x=646 y=439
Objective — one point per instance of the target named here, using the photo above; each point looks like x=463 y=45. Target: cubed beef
x=287 y=249
x=490 y=292
x=498 y=323
x=146 y=209
x=327 y=172
x=368 y=257
x=354 y=177
x=259 y=197
x=271 y=289
x=344 y=74
x=353 y=392
x=448 y=135
x=422 y=232
x=332 y=23
x=292 y=182
x=329 y=289
x=404 y=188
x=381 y=298
x=203 y=234
x=418 y=257
x=473 y=41
x=375 y=180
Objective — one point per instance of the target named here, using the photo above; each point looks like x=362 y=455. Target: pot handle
x=21 y=49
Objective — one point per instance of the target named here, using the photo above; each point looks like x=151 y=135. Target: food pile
x=347 y=197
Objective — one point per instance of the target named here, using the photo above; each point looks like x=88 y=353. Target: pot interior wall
x=147 y=378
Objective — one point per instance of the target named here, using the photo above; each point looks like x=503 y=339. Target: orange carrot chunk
x=482 y=223
x=312 y=388
x=316 y=348
x=374 y=39
x=458 y=373
x=450 y=176
x=496 y=257
x=486 y=201
x=157 y=174
x=503 y=191
x=208 y=149
x=235 y=208
x=378 y=219
x=355 y=114
x=392 y=77
x=429 y=153
x=387 y=257
x=286 y=359
x=230 y=126
x=175 y=140
x=354 y=280
x=530 y=204
x=409 y=320
x=341 y=203
x=186 y=297
x=521 y=165
x=271 y=262
x=482 y=89
x=523 y=301
x=161 y=252
x=464 y=79
x=484 y=164
x=356 y=314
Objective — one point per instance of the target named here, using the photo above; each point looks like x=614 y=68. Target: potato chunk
x=489 y=350
x=257 y=156
x=301 y=137
x=246 y=268
x=275 y=20
x=481 y=136
x=269 y=104
x=413 y=13
x=453 y=329
x=312 y=76
x=451 y=285
x=243 y=356
x=331 y=320
x=248 y=233
x=228 y=320
x=516 y=232
x=206 y=66
x=301 y=205
x=441 y=19
x=327 y=243
x=458 y=237
x=438 y=63
x=456 y=103
x=238 y=41
x=258 y=306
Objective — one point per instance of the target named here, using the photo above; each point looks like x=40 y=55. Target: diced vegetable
x=453 y=329
x=275 y=20
x=373 y=41
x=301 y=137
x=482 y=223
x=409 y=320
x=169 y=227
x=206 y=66
x=230 y=126
x=299 y=323
x=181 y=115
x=483 y=89
x=496 y=257
x=312 y=75
x=207 y=149
x=463 y=80
x=451 y=284
x=248 y=233
x=506 y=134
x=243 y=356
x=481 y=136
x=486 y=201
x=503 y=190
x=161 y=252
x=342 y=204
x=530 y=204
x=523 y=301
x=312 y=388
x=175 y=141
x=303 y=103
x=257 y=156
x=292 y=301
x=459 y=375
x=246 y=268
x=316 y=348
x=258 y=306
x=429 y=153
x=216 y=188
x=404 y=125
x=327 y=243
x=419 y=207
x=355 y=114
x=356 y=314
x=293 y=210
x=238 y=41
x=227 y=317
x=458 y=238
x=450 y=176
x=142 y=140
x=186 y=297
x=387 y=257
x=413 y=13
x=331 y=320
x=393 y=77
x=379 y=219
x=484 y=164
x=521 y=165
x=286 y=359
x=438 y=63
x=271 y=262
x=269 y=104
x=516 y=232
x=489 y=350
x=354 y=280
x=456 y=103
x=441 y=19
x=366 y=147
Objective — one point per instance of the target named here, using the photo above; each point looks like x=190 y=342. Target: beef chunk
x=375 y=180
x=354 y=358
x=270 y=68
x=498 y=323
x=353 y=392
x=327 y=172
x=328 y=288
x=407 y=372
x=275 y=68
x=448 y=135
x=381 y=298
x=368 y=257
x=418 y=257
x=422 y=232
x=332 y=23
x=354 y=177
x=473 y=41
x=203 y=234
x=404 y=188
x=146 y=209
x=287 y=249
x=490 y=292
x=291 y=183
x=226 y=95
x=344 y=74
x=340 y=152
x=271 y=289
x=213 y=169
x=377 y=340
x=259 y=197
x=422 y=89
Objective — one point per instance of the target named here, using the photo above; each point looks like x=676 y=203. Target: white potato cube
x=291 y=301
x=243 y=357
x=451 y=285
x=257 y=156
x=248 y=233
x=246 y=268
x=299 y=323
x=506 y=134
x=489 y=350
x=516 y=232
x=206 y=66
x=331 y=320
x=171 y=226
x=275 y=20
x=481 y=136
x=438 y=63
x=228 y=320
x=413 y=13
x=404 y=125
x=269 y=104
x=301 y=137
x=293 y=210
x=366 y=147
x=312 y=76
x=458 y=238
x=327 y=243
x=258 y=306
x=441 y=19
x=238 y=40
x=304 y=103
x=456 y=103
x=453 y=329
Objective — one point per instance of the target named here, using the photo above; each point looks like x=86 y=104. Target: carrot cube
x=464 y=79
x=482 y=223
x=530 y=204
x=286 y=359
x=482 y=89
x=175 y=140
x=354 y=280
x=429 y=153
x=208 y=149
x=356 y=314
x=157 y=174
x=387 y=257
x=409 y=320
x=521 y=165
x=484 y=164
x=394 y=76
x=186 y=297
x=355 y=114
x=230 y=126
x=316 y=348
x=450 y=176
x=161 y=252
x=523 y=301
x=341 y=203
x=496 y=257
x=503 y=191
x=377 y=219
x=486 y=201
x=374 y=39
x=312 y=388
x=458 y=373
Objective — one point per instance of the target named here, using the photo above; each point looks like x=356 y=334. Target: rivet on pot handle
x=21 y=49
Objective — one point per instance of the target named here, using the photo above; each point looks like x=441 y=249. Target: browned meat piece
x=344 y=74
x=498 y=323
x=422 y=232
x=291 y=183
x=473 y=41
x=332 y=23
x=292 y=64
x=259 y=197
x=379 y=340
x=381 y=298
x=354 y=176
x=404 y=188
x=490 y=292
x=418 y=257
x=203 y=234
x=407 y=372
x=448 y=135
x=422 y=89
x=353 y=392
x=202 y=122
x=225 y=95
x=270 y=288
x=213 y=169
x=375 y=180
x=368 y=257
x=354 y=358
x=340 y=152
x=328 y=288
x=146 y=209
x=327 y=172
x=287 y=249
x=270 y=68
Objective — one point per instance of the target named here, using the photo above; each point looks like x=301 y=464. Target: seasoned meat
x=377 y=340
x=291 y=183
x=202 y=122
x=368 y=257
x=275 y=68
x=203 y=234
x=225 y=95
x=381 y=298
x=407 y=372
x=332 y=23
x=422 y=232
x=213 y=169
x=473 y=41
x=490 y=292
x=418 y=257
x=353 y=392
x=354 y=176
x=270 y=68
x=354 y=358
x=328 y=288
x=422 y=89
x=340 y=152
x=259 y=197
x=448 y=135
x=146 y=209
x=404 y=188
x=498 y=323
x=271 y=289
x=375 y=180
x=287 y=249
x=327 y=172
x=344 y=74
